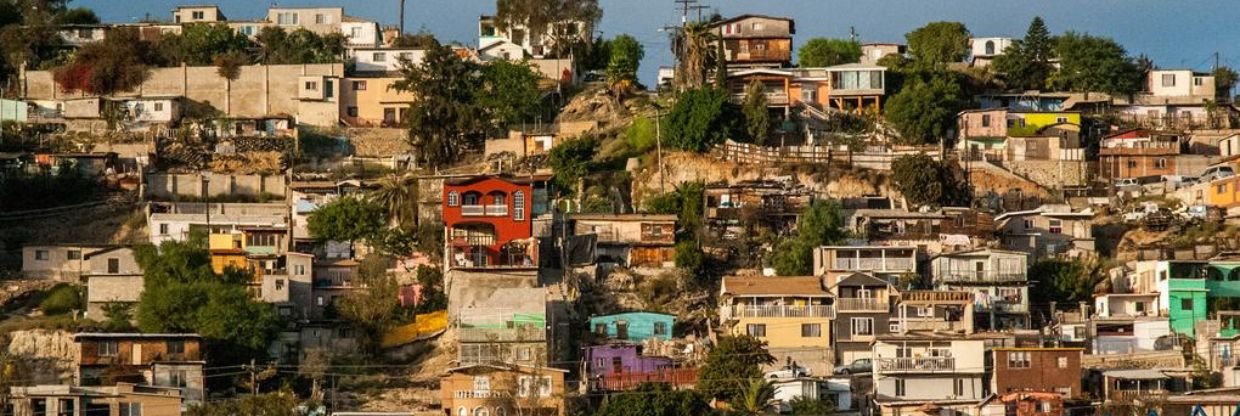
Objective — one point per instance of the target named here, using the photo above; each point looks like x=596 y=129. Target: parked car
x=1139 y=212
x=789 y=371
x=858 y=366
x=1126 y=182
x=1217 y=172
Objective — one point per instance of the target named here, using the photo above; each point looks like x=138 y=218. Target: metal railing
x=501 y=334
x=778 y=311
x=479 y=394
x=915 y=365
x=980 y=276
x=1129 y=396
x=933 y=324
x=862 y=304
x=874 y=264
x=497 y=210
x=473 y=210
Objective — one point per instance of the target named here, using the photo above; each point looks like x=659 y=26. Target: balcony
x=1130 y=396
x=528 y=334
x=876 y=263
x=629 y=381
x=862 y=305
x=479 y=394
x=484 y=210
x=917 y=324
x=917 y=365
x=777 y=311
x=983 y=276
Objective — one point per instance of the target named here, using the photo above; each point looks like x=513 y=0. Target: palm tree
x=398 y=195
x=695 y=51
x=756 y=399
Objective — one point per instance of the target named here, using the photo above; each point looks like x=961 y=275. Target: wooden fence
x=872 y=158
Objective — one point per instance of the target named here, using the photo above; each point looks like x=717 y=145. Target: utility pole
x=852 y=33
x=685 y=6
x=402 y=17
x=253 y=377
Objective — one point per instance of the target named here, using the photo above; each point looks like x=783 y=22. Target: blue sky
x=1175 y=33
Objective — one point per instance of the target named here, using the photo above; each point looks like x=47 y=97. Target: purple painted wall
x=601 y=359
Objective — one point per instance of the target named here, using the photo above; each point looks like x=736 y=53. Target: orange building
x=502 y=389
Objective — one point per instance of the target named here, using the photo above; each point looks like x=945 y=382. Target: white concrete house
x=385 y=59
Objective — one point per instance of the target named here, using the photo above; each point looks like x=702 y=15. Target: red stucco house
x=488 y=220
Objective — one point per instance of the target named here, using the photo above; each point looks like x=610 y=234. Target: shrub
x=60 y=300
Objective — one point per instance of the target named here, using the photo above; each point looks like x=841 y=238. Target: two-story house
x=990 y=133
x=626 y=352
x=997 y=278
x=862 y=311
x=914 y=370
x=934 y=311
x=1177 y=99
x=630 y=240
x=65 y=263
x=176 y=221
x=792 y=315
x=488 y=221
x=847 y=87
x=887 y=263
x=114 y=277
x=756 y=41
x=982 y=51
x=164 y=360
x=1047 y=231
x=633 y=326
x=503 y=389
x=1045 y=370
x=1136 y=153
x=508 y=326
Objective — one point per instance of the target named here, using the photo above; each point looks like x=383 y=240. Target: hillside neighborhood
x=305 y=213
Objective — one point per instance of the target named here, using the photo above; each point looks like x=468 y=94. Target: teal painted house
x=633 y=326
x=1195 y=289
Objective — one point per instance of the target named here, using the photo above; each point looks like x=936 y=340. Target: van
x=1126 y=182
x=1217 y=172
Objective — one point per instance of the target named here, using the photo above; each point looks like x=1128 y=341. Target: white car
x=1217 y=172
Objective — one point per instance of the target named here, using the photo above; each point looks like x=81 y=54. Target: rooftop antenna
x=685 y=5
x=402 y=17
x=852 y=33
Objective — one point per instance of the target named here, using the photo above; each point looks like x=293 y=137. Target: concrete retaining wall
x=1051 y=173
x=166 y=186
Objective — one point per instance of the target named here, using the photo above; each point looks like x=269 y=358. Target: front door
x=136 y=356
x=389 y=116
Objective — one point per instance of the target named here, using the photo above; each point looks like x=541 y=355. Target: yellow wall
x=786 y=332
x=1036 y=121
x=221 y=261
x=378 y=95
x=1222 y=193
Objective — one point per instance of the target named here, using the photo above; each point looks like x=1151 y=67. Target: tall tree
x=117 y=63
x=443 y=121
x=756 y=398
x=733 y=359
x=567 y=24
x=509 y=93
x=939 y=43
x=626 y=56
x=925 y=109
x=654 y=399
x=757 y=116
x=925 y=181
x=199 y=44
x=570 y=161
x=1026 y=64
x=1094 y=64
x=398 y=196
x=694 y=47
x=347 y=219
x=301 y=46
x=372 y=310
x=821 y=52
x=821 y=224
x=700 y=119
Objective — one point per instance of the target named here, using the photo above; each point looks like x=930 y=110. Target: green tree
x=823 y=52
x=279 y=47
x=641 y=134
x=821 y=224
x=939 y=43
x=77 y=16
x=756 y=398
x=570 y=162
x=430 y=279
x=397 y=195
x=626 y=56
x=200 y=43
x=695 y=49
x=443 y=120
x=558 y=19
x=654 y=399
x=279 y=403
x=61 y=299
x=117 y=63
x=924 y=109
x=372 y=311
x=734 y=358
x=802 y=406
x=118 y=317
x=509 y=93
x=1094 y=64
x=925 y=181
x=421 y=40
x=1063 y=281
x=347 y=219
x=700 y=119
x=757 y=116
x=1224 y=81
x=1026 y=64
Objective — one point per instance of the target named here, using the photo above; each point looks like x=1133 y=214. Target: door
x=617 y=365
x=622 y=329
x=389 y=116
x=136 y=356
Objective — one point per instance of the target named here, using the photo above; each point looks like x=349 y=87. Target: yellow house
x=373 y=102
x=227 y=250
x=1223 y=192
x=791 y=314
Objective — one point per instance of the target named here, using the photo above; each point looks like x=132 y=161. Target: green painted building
x=1195 y=291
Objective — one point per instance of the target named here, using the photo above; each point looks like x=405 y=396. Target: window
x=176 y=346
x=518 y=205
x=900 y=387
x=758 y=26
x=1028 y=224
x=1198 y=81
x=1160 y=163
x=985 y=120
x=1132 y=164
x=359 y=85
x=329 y=89
x=1061 y=362
x=67 y=407
x=862 y=326
x=247 y=30
x=958 y=387
x=178 y=378
x=355 y=32
x=262 y=239
x=107 y=348
x=1168 y=80
x=471 y=198
x=379 y=57
x=755 y=330
x=811 y=330
x=312 y=86
x=131 y=409
x=893 y=326
x=482 y=383
x=1186 y=304
x=990 y=47
x=1162 y=275
x=198 y=15
x=1061 y=119
x=600 y=329
x=40 y=254
x=114 y=266
x=351 y=111
x=660 y=328
x=320 y=19
x=286 y=18
x=925 y=312
x=163 y=229
x=1018 y=359
x=524 y=354
x=462 y=411
x=299 y=269
x=159 y=106
x=1056 y=226
x=1222 y=188
x=452 y=198
x=73 y=255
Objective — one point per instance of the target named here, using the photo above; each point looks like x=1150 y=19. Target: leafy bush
x=641 y=134
x=701 y=119
x=60 y=300
x=570 y=161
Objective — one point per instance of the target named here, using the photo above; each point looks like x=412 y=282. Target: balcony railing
x=480 y=394
x=896 y=264
x=1005 y=307
x=501 y=334
x=777 y=311
x=916 y=324
x=917 y=365
x=473 y=210
x=861 y=304
x=983 y=276
x=497 y=210
x=1129 y=396
x=629 y=381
